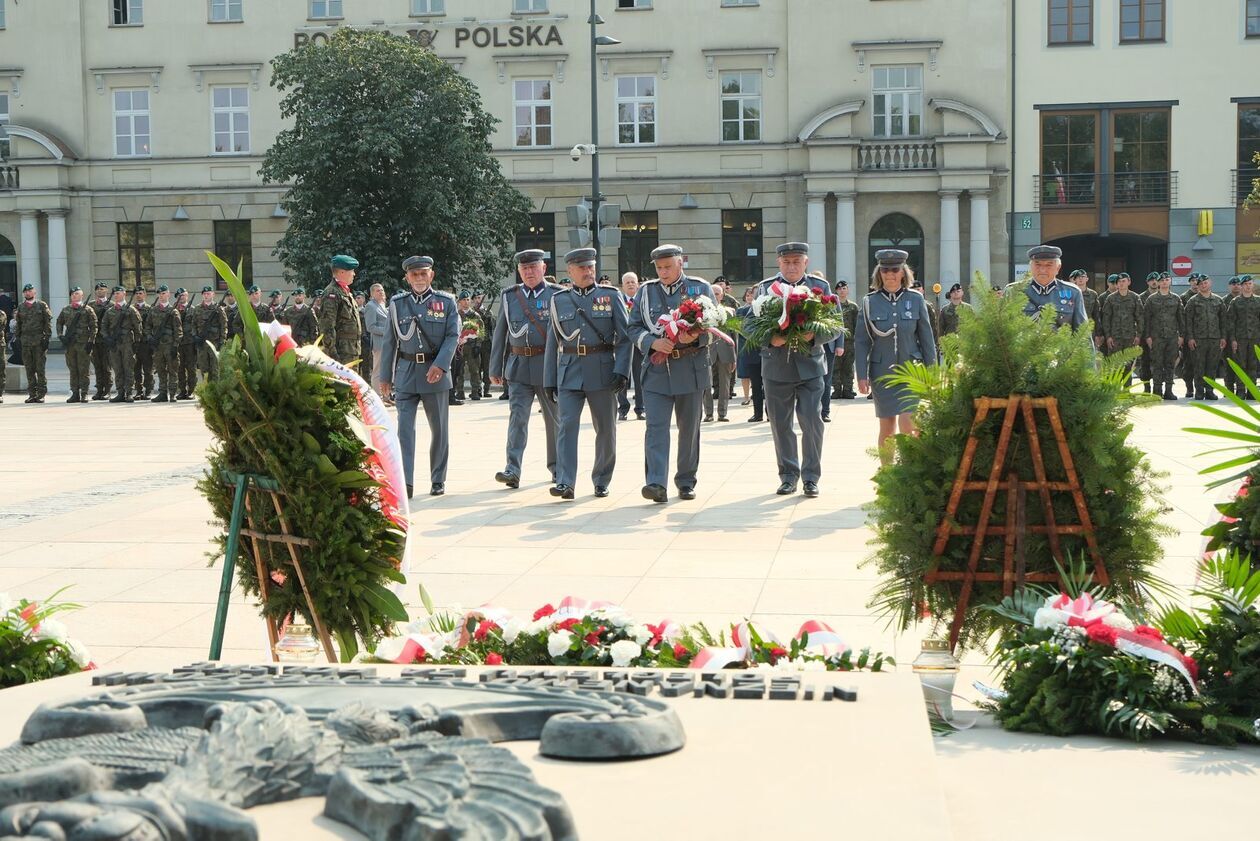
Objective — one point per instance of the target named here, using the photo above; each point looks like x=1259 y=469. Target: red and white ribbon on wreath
x=672 y=326
x=819 y=638
x=787 y=293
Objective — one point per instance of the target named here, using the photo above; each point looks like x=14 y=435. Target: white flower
x=512 y=630
x=642 y=634
x=558 y=643
x=759 y=304
x=51 y=629
x=79 y=653
x=1118 y=620
x=814 y=666
x=1047 y=617
x=624 y=651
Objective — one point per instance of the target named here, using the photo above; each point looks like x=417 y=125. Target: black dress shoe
x=509 y=479
x=826 y=418
x=811 y=488
x=687 y=493
x=437 y=489
x=457 y=402
x=504 y=395
x=601 y=490
x=561 y=491
x=756 y=419
x=411 y=491
x=656 y=493
x=786 y=489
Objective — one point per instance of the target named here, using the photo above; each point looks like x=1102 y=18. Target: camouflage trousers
x=207 y=360
x=142 y=368
x=1246 y=357
x=186 y=380
x=1163 y=356
x=35 y=358
x=122 y=362
x=79 y=361
x=100 y=363
x=166 y=367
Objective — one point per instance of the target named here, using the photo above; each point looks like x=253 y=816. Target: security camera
x=576 y=152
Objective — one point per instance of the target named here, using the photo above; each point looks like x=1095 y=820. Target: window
x=1141 y=20
x=224 y=11
x=128 y=12
x=229 y=115
x=135 y=255
x=739 y=2
x=741 y=106
x=1248 y=148
x=898 y=101
x=540 y=233
x=532 y=111
x=1140 y=157
x=131 y=123
x=1069 y=144
x=4 y=119
x=896 y=230
x=528 y=6
x=741 y=246
x=636 y=110
x=1071 y=21
x=428 y=7
x=634 y=4
x=640 y=234
x=1253 y=18
x=232 y=243
x=325 y=9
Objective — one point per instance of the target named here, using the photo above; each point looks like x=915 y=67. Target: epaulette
x=398 y=295
x=655 y=280
x=445 y=294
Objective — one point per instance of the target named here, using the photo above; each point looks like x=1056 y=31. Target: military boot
x=162 y=397
x=74 y=398
x=1146 y=387
x=1168 y=392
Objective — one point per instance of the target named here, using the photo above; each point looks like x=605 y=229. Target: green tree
x=389 y=154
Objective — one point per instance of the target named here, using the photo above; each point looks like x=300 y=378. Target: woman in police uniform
x=894 y=327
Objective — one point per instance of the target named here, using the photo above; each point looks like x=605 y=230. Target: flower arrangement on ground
x=282 y=412
x=582 y=633
x=997 y=352
x=33 y=645
x=794 y=312
x=692 y=317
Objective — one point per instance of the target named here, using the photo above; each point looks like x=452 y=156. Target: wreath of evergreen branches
x=998 y=351
x=289 y=421
x=759 y=329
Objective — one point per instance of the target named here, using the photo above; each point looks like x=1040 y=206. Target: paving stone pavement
x=99 y=499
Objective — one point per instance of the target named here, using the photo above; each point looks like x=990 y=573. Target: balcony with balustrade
x=9 y=177
x=897 y=155
x=1082 y=203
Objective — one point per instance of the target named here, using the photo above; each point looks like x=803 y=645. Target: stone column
x=816 y=230
x=980 y=254
x=951 y=258
x=58 y=264
x=846 y=243
x=29 y=246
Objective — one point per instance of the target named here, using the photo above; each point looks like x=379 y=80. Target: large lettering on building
x=477 y=36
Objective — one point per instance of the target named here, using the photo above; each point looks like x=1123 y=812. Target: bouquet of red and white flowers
x=33 y=645
x=796 y=313
x=693 y=317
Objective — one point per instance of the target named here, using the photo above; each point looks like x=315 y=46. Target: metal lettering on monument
x=183 y=755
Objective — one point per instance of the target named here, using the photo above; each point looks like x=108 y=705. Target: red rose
x=591 y=639
x=494 y=659
x=566 y=625
x=1148 y=631
x=483 y=629
x=680 y=651
x=1104 y=634
x=545 y=610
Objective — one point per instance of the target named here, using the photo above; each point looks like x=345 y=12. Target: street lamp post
x=596 y=199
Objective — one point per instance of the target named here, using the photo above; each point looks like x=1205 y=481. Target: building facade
x=135 y=129
x=1136 y=123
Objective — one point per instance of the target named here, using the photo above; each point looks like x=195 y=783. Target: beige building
x=1136 y=125
x=136 y=128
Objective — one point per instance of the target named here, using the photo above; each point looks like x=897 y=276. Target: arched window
x=897 y=230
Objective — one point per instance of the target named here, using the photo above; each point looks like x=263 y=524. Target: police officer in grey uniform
x=588 y=358
x=794 y=382
x=1045 y=289
x=674 y=387
x=416 y=366
x=520 y=341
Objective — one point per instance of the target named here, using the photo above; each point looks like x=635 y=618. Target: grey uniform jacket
x=376 y=321
x=429 y=326
x=604 y=324
x=682 y=375
x=1066 y=298
x=875 y=356
x=515 y=328
x=780 y=365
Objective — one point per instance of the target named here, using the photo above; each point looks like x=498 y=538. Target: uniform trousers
x=122 y=361
x=603 y=406
x=166 y=367
x=187 y=367
x=830 y=356
x=1246 y=356
x=842 y=374
x=79 y=361
x=720 y=384
x=100 y=362
x=685 y=409
x=207 y=360
x=436 y=412
x=35 y=358
x=803 y=398
x=1204 y=361
x=142 y=367
x=635 y=381
x=1163 y=360
x=521 y=398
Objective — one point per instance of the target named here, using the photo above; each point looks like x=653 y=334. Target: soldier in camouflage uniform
x=143 y=364
x=261 y=311
x=121 y=331
x=952 y=309
x=76 y=327
x=208 y=326
x=1112 y=281
x=470 y=346
x=164 y=334
x=1144 y=362
x=1121 y=319
x=186 y=377
x=1242 y=329
x=100 y=354
x=1163 y=323
x=1223 y=371
x=843 y=373
x=1184 y=368
x=1092 y=306
x=1205 y=336
x=33 y=331
x=340 y=322
x=301 y=319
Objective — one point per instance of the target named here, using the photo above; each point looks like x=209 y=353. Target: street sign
x=1182 y=266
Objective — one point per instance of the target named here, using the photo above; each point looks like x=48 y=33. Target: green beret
x=343 y=261
x=1113 y=278
x=181 y=291
x=207 y=289
x=275 y=293
x=1152 y=276
x=254 y=289
x=100 y=284
x=465 y=295
x=164 y=288
x=28 y=287
x=299 y=291
x=119 y=289
x=74 y=289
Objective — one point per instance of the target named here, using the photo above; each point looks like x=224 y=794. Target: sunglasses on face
x=890 y=269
